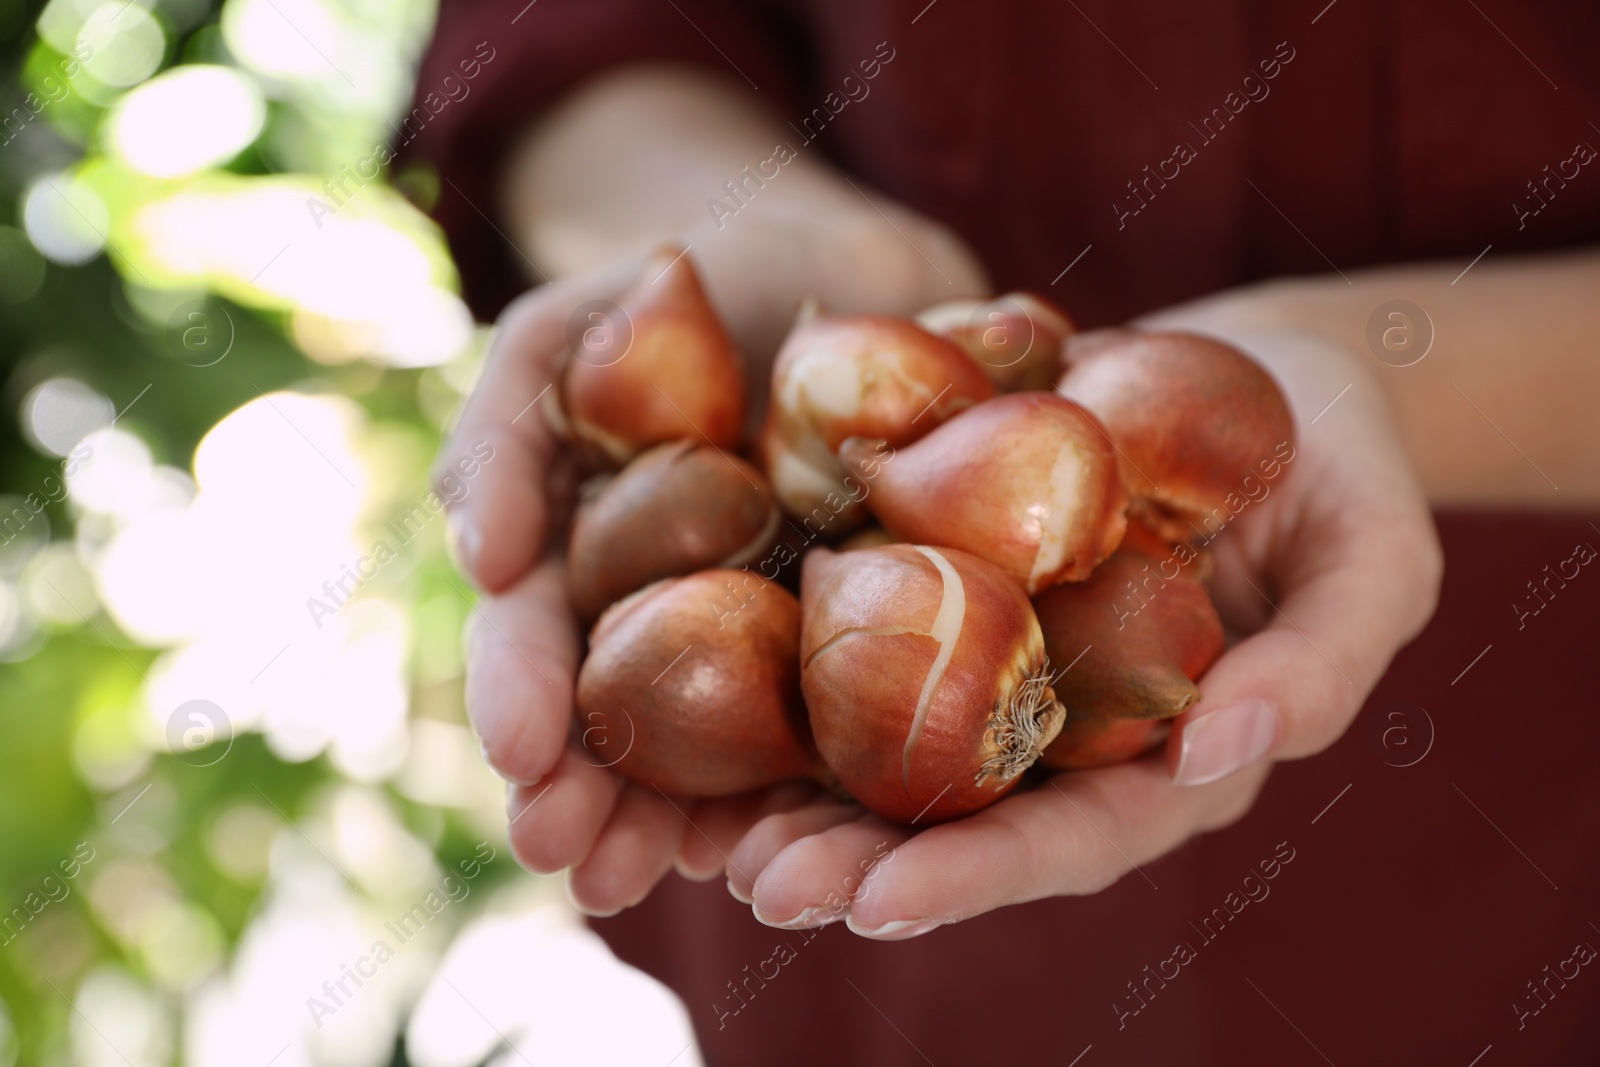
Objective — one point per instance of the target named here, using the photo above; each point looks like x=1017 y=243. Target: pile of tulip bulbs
x=958 y=546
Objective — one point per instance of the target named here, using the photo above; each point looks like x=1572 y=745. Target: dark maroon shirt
x=1188 y=147
x=1122 y=156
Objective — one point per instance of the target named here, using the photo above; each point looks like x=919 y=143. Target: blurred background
x=242 y=818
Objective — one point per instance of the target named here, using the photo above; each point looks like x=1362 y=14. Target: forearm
x=1505 y=406
x=632 y=159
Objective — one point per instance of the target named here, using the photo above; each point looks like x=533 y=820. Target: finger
x=1242 y=608
x=810 y=883
x=496 y=528
x=497 y=518
x=522 y=654
x=1075 y=834
x=633 y=852
x=773 y=834
x=554 y=824
x=715 y=826
x=1358 y=586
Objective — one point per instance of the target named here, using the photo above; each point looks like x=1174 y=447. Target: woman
x=1276 y=178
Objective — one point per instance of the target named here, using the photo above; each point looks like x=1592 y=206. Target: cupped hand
x=566 y=808
x=1328 y=575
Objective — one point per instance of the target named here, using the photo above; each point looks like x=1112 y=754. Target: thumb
x=498 y=519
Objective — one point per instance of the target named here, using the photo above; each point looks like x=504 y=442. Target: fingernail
x=462 y=540
x=898 y=930
x=808 y=919
x=1226 y=740
x=739 y=895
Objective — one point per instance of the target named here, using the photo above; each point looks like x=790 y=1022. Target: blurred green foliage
x=72 y=697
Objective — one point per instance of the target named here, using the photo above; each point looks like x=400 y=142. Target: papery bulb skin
x=1016 y=339
x=926 y=679
x=871 y=376
x=1026 y=481
x=657 y=366
x=1197 y=423
x=809 y=482
x=1133 y=640
x=840 y=376
x=675 y=509
x=691 y=686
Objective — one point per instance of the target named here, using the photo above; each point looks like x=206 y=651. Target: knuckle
x=1042 y=871
x=1079 y=861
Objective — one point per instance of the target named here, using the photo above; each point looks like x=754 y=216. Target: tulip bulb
x=926 y=678
x=1196 y=422
x=1085 y=742
x=656 y=366
x=840 y=376
x=676 y=509
x=691 y=686
x=1026 y=481
x=809 y=481
x=1137 y=635
x=1016 y=339
x=1197 y=563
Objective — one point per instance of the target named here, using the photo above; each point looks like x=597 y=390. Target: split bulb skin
x=808 y=480
x=1016 y=339
x=727 y=716
x=925 y=675
x=1027 y=481
x=1136 y=642
x=841 y=376
x=675 y=509
x=1192 y=419
x=678 y=374
x=872 y=376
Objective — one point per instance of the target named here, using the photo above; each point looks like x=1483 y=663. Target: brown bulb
x=692 y=686
x=1131 y=641
x=1016 y=339
x=840 y=376
x=656 y=366
x=1027 y=481
x=925 y=675
x=676 y=509
x=1197 y=423
x=1085 y=743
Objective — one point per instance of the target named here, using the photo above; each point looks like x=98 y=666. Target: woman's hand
x=812 y=236
x=1329 y=575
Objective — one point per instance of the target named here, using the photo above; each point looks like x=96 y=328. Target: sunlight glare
x=189 y=118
